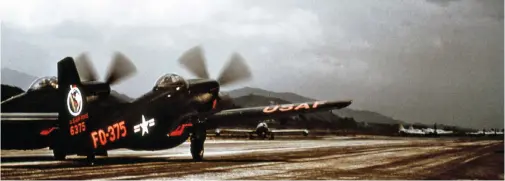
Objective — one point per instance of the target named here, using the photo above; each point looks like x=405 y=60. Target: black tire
x=57 y=146
x=272 y=136
x=197 y=141
x=263 y=135
x=197 y=150
x=90 y=159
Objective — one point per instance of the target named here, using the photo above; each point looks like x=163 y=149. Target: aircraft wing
x=288 y=130
x=276 y=111
x=39 y=123
x=236 y=130
x=29 y=117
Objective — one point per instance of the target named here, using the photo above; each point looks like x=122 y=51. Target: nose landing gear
x=198 y=137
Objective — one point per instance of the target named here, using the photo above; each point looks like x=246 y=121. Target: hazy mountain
x=17 y=78
x=366 y=116
x=288 y=96
x=358 y=115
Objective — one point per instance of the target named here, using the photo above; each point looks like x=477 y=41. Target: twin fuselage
x=159 y=119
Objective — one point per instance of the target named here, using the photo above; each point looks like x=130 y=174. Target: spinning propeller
x=120 y=68
x=236 y=70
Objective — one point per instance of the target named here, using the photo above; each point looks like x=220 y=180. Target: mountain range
x=17 y=78
x=358 y=115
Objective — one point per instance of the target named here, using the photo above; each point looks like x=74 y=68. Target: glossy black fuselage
x=170 y=109
x=169 y=114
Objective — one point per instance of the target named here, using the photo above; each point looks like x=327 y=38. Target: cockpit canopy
x=43 y=83
x=171 y=81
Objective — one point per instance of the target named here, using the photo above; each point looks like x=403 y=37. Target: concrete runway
x=328 y=158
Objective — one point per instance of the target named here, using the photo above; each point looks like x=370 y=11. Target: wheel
x=197 y=150
x=271 y=136
x=58 y=154
x=90 y=159
x=197 y=141
x=57 y=146
x=263 y=135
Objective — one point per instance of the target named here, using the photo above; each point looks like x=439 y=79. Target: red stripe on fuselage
x=214 y=104
x=47 y=131
x=180 y=129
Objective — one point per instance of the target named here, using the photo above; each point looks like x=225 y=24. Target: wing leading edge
x=275 y=111
x=289 y=130
x=235 y=130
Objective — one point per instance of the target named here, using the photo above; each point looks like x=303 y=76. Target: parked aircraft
x=262 y=131
x=410 y=131
x=174 y=110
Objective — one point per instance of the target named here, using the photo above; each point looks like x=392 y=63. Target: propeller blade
x=225 y=101
x=194 y=61
x=236 y=70
x=85 y=68
x=120 y=68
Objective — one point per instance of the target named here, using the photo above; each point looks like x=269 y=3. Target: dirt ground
x=328 y=158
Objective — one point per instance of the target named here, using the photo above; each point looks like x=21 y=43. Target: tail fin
x=73 y=114
x=401 y=128
x=67 y=72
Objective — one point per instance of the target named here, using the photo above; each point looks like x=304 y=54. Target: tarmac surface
x=340 y=158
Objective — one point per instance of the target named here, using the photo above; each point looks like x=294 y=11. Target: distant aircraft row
x=430 y=131
x=484 y=132
x=424 y=131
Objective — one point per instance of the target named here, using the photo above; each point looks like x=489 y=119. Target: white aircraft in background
x=438 y=131
x=480 y=132
x=262 y=131
x=410 y=131
x=484 y=132
x=494 y=132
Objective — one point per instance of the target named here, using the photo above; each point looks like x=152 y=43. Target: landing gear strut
x=272 y=136
x=90 y=158
x=57 y=146
x=59 y=154
x=197 y=141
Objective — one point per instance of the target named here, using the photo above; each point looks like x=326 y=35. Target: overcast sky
x=418 y=61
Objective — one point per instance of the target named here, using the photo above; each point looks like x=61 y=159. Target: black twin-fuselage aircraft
x=173 y=111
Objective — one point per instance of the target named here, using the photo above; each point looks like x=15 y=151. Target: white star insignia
x=144 y=125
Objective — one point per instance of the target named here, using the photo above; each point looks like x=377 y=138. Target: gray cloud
x=415 y=60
